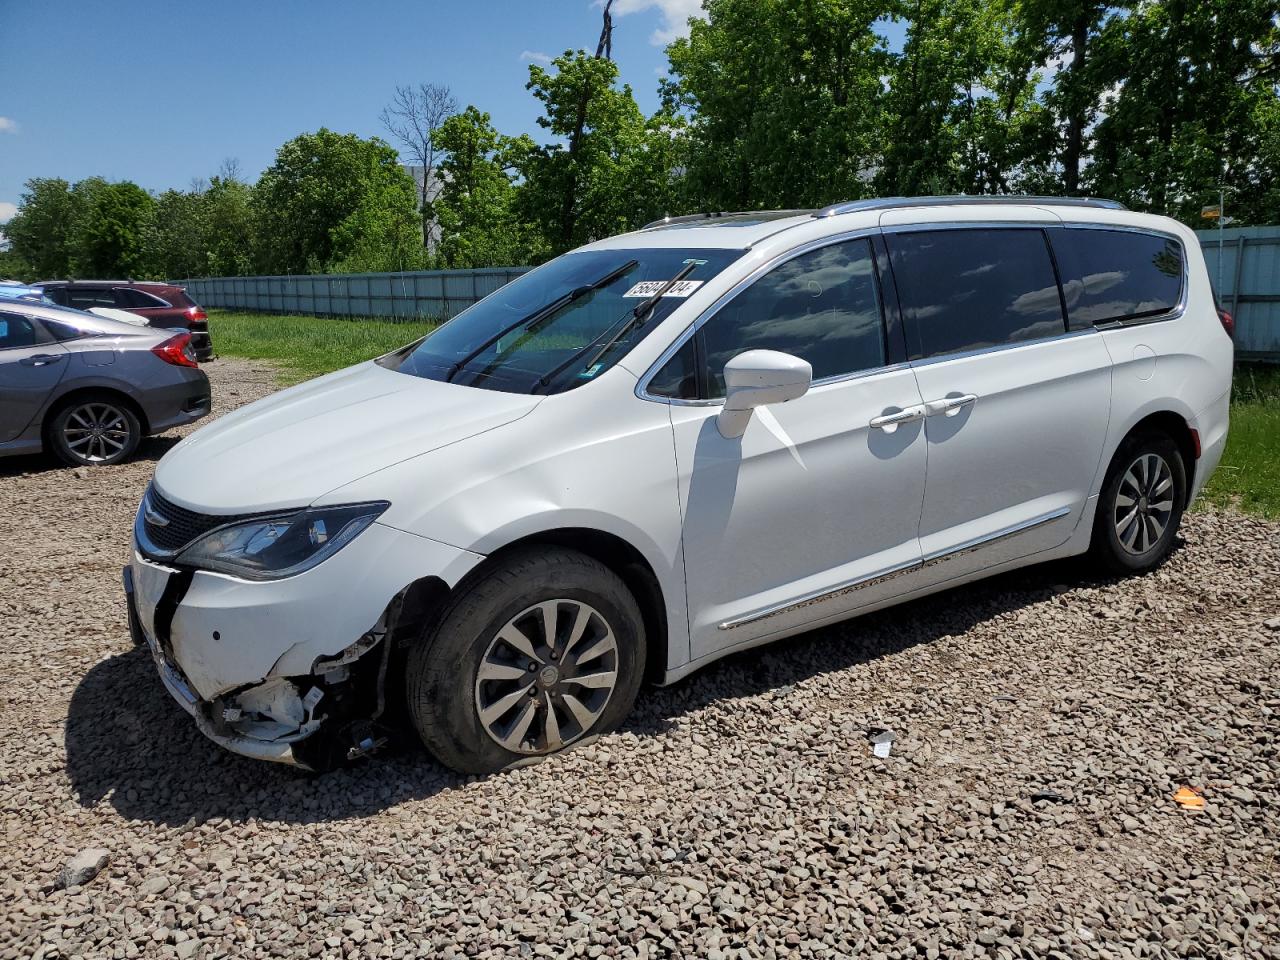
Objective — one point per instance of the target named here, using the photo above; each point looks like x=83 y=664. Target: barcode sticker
x=647 y=288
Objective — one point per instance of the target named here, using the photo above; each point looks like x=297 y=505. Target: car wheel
x=1141 y=504
x=94 y=431
x=544 y=649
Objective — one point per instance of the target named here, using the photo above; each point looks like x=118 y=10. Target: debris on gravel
x=1043 y=721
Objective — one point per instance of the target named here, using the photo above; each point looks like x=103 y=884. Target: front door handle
x=889 y=422
x=950 y=406
x=40 y=360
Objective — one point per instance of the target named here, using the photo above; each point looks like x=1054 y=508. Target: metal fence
x=1247 y=278
x=406 y=296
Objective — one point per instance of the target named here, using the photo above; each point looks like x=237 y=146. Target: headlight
x=271 y=548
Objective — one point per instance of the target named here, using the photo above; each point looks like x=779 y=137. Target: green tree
x=962 y=114
x=115 y=232
x=40 y=231
x=475 y=208
x=784 y=101
x=332 y=199
x=228 y=222
x=178 y=239
x=607 y=168
x=1191 y=106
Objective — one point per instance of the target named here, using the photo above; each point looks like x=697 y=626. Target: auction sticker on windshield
x=647 y=288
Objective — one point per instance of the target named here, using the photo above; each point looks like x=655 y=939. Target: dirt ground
x=1043 y=722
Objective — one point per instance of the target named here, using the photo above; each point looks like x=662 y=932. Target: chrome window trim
x=1001 y=347
x=940 y=556
x=642 y=386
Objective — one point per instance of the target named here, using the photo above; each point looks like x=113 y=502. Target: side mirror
x=757 y=378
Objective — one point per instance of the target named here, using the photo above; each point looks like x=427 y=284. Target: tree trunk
x=1074 y=147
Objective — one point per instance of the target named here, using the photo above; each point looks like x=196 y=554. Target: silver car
x=87 y=388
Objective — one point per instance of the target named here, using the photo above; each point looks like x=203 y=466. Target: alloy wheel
x=96 y=431
x=1144 y=503
x=546 y=676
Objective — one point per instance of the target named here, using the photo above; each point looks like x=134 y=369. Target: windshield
x=561 y=325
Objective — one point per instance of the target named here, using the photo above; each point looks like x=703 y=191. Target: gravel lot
x=1042 y=726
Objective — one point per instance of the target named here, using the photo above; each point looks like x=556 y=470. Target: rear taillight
x=196 y=313
x=176 y=350
x=1228 y=323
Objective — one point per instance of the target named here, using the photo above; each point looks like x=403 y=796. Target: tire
x=1141 y=504
x=498 y=620
x=71 y=433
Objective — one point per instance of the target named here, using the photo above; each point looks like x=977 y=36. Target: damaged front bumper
x=264 y=668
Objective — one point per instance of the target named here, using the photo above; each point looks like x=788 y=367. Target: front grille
x=182 y=525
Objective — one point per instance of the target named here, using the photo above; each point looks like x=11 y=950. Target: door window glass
x=968 y=289
x=16 y=331
x=87 y=298
x=678 y=377
x=822 y=306
x=1117 y=274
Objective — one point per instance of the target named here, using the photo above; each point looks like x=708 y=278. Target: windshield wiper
x=541 y=314
x=632 y=318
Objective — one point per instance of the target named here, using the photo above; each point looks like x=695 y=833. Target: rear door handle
x=889 y=422
x=40 y=360
x=950 y=406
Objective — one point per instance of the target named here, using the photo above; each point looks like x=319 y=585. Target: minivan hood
x=292 y=447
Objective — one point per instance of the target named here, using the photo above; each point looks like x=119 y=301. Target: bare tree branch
x=413 y=117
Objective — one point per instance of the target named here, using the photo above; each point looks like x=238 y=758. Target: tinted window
x=1117 y=274
x=85 y=298
x=63 y=331
x=57 y=294
x=968 y=289
x=822 y=306
x=135 y=299
x=678 y=377
x=16 y=331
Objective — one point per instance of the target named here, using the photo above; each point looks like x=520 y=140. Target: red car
x=164 y=305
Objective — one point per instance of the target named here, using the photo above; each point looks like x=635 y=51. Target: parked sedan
x=162 y=305
x=87 y=388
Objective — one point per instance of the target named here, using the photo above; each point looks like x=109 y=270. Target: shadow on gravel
x=150 y=449
x=128 y=741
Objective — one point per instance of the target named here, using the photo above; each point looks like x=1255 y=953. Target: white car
x=708 y=434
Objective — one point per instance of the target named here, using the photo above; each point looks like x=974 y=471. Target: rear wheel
x=544 y=649
x=1141 y=504
x=94 y=431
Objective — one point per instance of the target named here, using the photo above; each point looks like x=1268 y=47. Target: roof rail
x=889 y=203
x=709 y=215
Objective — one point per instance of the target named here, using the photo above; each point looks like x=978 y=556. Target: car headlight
x=271 y=548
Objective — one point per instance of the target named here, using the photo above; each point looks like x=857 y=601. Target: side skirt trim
x=933 y=559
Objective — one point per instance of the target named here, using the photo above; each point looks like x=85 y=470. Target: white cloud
x=7 y=210
x=536 y=56
x=675 y=16
x=8 y=125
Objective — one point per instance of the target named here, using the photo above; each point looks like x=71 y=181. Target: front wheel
x=544 y=649
x=1141 y=504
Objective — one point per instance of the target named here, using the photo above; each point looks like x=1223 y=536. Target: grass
x=303 y=347
x=1249 y=476
x=306 y=347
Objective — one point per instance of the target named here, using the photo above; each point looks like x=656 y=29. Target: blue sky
x=162 y=91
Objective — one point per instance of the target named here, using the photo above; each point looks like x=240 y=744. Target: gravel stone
x=1043 y=721
x=83 y=867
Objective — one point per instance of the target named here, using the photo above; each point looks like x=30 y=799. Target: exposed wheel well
x=1176 y=428
x=83 y=393
x=629 y=564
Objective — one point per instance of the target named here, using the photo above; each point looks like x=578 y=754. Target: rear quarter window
x=1117 y=275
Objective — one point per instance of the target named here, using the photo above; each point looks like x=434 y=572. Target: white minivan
x=708 y=434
